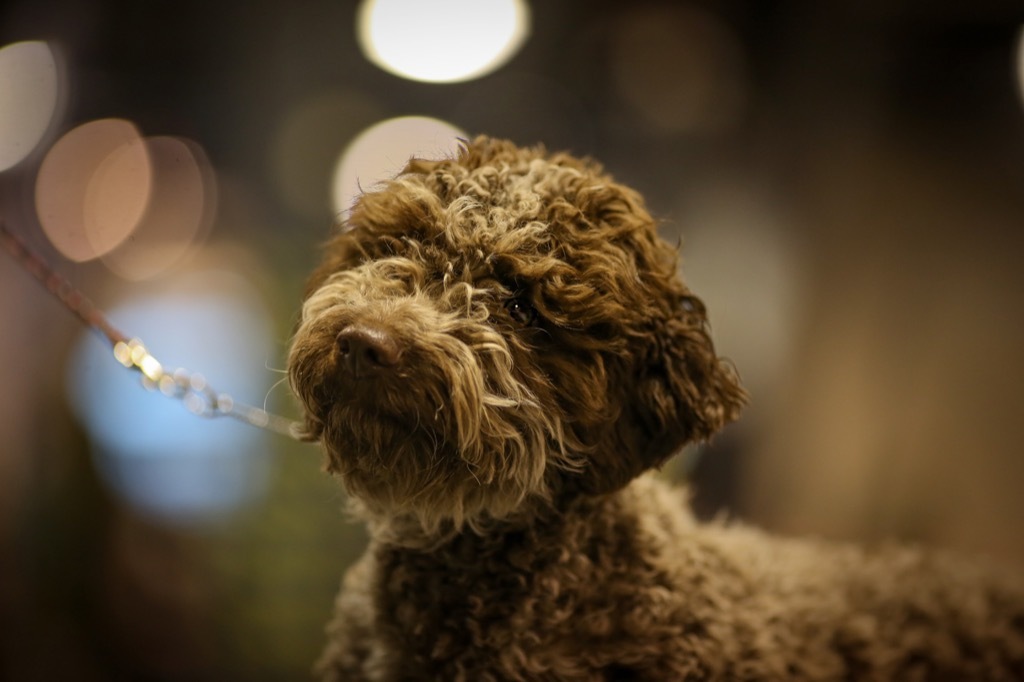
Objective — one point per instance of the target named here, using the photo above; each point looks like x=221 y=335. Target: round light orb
x=93 y=187
x=149 y=449
x=304 y=150
x=442 y=41
x=179 y=211
x=29 y=96
x=680 y=68
x=381 y=151
x=1020 y=64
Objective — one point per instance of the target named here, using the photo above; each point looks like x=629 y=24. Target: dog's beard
x=451 y=438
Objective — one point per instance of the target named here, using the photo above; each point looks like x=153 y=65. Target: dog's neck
x=536 y=519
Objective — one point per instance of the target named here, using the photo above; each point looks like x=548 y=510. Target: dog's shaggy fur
x=496 y=348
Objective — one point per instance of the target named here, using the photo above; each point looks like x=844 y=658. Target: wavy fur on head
x=547 y=343
x=496 y=348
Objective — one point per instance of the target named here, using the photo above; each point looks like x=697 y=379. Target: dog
x=495 y=353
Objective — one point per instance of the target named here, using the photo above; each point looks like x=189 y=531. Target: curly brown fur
x=495 y=349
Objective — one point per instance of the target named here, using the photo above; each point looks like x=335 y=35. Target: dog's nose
x=365 y=349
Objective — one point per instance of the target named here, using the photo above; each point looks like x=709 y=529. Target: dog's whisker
x=276 y=384
x=275 y=370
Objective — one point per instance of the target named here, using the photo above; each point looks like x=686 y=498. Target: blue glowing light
x=148 y=448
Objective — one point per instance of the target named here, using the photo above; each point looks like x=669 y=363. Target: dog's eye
x=520 y=310
x=692 y=305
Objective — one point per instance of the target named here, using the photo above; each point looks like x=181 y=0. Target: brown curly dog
x=494 y=351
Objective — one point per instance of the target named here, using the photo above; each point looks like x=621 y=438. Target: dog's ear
x=687 y=393
x=680 y=392
x=669 y=388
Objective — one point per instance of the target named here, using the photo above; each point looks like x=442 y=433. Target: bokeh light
x=149 y=449
x=305 y=148
x=102 y=183
x=93 y=187
x=1020 y=64
x=179 y=211
x=382 y=151
x=680 y=68
x=30 y=91
x=442 y=41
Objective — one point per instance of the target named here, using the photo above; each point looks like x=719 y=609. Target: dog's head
x=497 y=329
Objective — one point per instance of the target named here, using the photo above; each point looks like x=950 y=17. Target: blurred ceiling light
x=680 y=68
x=442 y=41
x=382 y=151
x=29 y=98
x=178 y=214
x=150 y=450
x=93 y=187
x=1020 y=64
x=305 y=148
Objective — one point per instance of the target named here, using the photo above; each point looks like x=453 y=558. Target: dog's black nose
x=366 y=349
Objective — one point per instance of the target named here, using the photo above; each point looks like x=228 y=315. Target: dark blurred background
x=847 y=181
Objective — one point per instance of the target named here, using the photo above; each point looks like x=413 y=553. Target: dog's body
x=495 y=350
x=627 y=587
